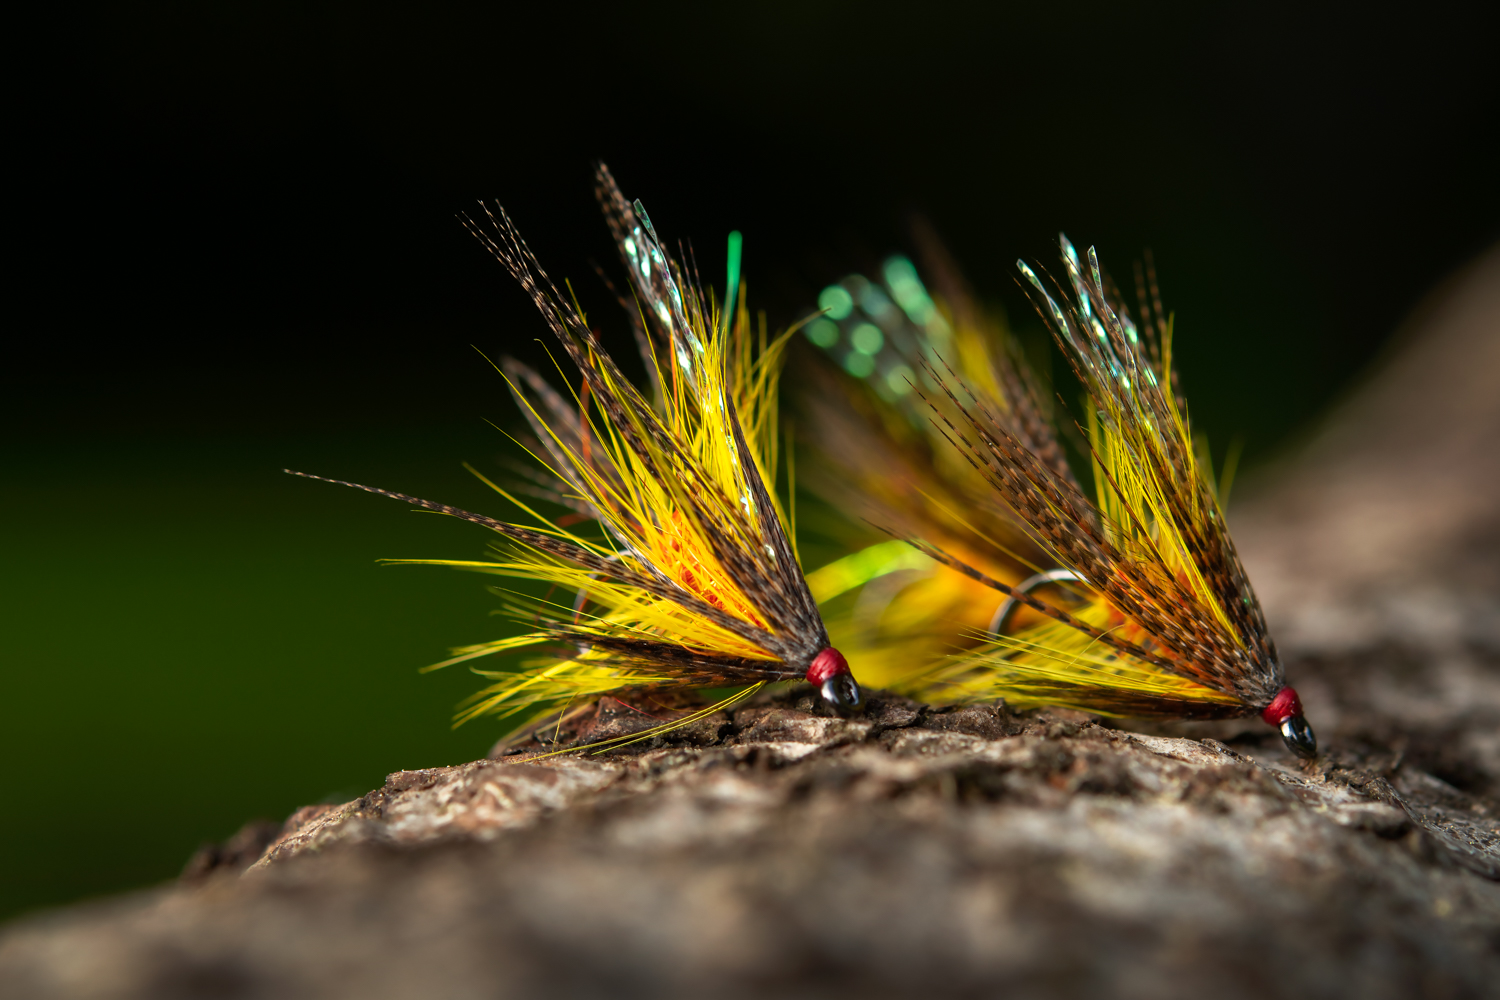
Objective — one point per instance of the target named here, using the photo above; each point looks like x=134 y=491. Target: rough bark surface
x=956 y=852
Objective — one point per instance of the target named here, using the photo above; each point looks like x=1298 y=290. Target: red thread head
x=829 y=663
x=1284 y=706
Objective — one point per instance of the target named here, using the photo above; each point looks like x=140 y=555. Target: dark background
x=235 y=250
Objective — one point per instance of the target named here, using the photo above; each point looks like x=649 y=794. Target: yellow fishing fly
x=1147 y=609
x=693 y=580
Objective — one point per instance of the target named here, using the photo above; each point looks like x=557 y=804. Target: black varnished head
x=1299 y=737
x=842 y=694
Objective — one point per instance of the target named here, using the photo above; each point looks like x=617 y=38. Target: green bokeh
x=193 y=639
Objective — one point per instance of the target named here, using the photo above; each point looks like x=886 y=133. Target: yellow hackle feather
x=1046 y=662
x=650 y=520
x=1152 y=632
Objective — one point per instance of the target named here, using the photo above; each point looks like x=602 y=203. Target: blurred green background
x=237 y=252
x=194 y=639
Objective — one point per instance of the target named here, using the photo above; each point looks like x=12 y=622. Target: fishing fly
x=1134 y=603
x=693 y=580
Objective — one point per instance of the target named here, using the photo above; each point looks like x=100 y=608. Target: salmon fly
x=693 y=579
x=1132 y=603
